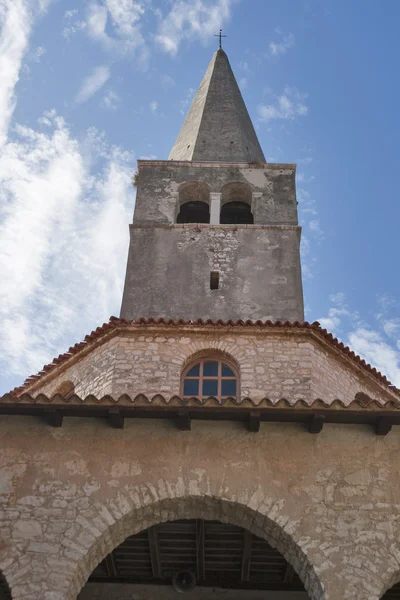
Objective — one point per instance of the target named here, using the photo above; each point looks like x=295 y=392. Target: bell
x=184 y=581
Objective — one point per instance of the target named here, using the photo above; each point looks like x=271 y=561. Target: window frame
x=222 y=361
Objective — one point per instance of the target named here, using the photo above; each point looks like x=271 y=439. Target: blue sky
x=88 y=87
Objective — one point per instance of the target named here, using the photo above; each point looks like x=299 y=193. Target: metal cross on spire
x=220 y=36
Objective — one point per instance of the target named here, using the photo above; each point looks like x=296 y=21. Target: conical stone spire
x=218 y=126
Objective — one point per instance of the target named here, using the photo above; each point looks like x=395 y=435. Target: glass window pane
x=194 y=371
x=210 y=369
x=191 y=387
x=210 y=387
x=229 y=387
x=227 y=372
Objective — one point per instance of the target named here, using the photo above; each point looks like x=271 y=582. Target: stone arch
x=236 y=204
x=207 y=351
x=236 y=191
x=141 y=511
x=193 y=202
x=200 y=347
x=221 y=386
x=391 y=586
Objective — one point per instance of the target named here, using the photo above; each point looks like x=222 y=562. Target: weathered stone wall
x=169 y=266
x=272 y=363
x=159 y=183
x=168 y=273
x=330 y=503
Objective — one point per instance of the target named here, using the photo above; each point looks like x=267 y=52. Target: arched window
x=194 y=203
x=234 y=213
x=194 y=212
x=210 y=377
x=236 y=200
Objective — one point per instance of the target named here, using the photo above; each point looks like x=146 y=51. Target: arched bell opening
x=194 y=212
x=236 y=213
x=197 y=556
x=194 y=203
x=236 y=201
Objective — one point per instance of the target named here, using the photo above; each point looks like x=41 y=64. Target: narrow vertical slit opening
x=214 y=280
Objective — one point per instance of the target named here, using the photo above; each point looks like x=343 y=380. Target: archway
x=194 y=212
x=236 y=201
x=194 y=203
x=5 y=593
x=393 y=593
x=236 y=213
x=132 y=521
x=214 y=555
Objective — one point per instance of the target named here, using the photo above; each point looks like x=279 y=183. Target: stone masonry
x=169 y=265
x=329 y=503
x=328 y=500
x=276 y=363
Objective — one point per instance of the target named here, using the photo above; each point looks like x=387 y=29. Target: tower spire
x=217 y=126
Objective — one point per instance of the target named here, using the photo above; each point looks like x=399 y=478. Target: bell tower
x=215 y=232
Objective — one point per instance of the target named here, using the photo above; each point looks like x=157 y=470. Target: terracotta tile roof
x=360 y=401
x=116 y=323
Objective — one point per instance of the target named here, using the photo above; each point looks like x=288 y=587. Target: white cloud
x=289 y=105
x=367 y=342
x=153 y=106
x=279 y=48
x=370 y=345
x=124 y=18
x=191 y=19
x=315 y=227
x=93 y=83
x=110 y=100
x=338 y=298
x=97 y=21
x=125 y=15
x=167 y=81
x=70 y=30
x=185 y=103
x=16 y=24
x=38 y=53
x=64 y=239
x=70 y=13
x=64 y=209
x=391 y=327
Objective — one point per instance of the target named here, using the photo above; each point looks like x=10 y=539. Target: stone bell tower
x=215 y=233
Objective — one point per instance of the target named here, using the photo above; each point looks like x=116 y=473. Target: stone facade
x=169 y=265
x=329 y=503
x=272 y=363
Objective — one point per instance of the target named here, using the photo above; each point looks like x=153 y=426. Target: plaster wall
x=168 y=273
x=330 y=503
x=272 y=363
